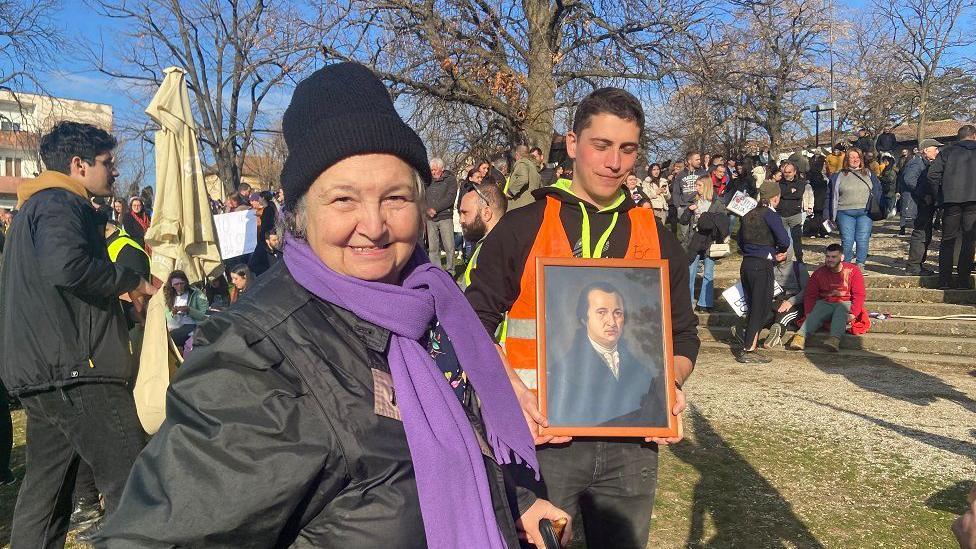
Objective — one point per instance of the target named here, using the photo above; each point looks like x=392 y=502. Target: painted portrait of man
x=600 y=382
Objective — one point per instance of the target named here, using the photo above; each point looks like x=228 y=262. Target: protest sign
x=736 y=297
x=741 y=203
x=237 y=233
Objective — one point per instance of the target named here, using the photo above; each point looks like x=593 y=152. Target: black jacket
x=272 y=438
x=60 y=318
x=791 y=196
x=263 y=258
x=712 y=227
x=952 y=174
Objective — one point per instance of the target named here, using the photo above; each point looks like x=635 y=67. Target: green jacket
x=525 y=178
x=198 y=306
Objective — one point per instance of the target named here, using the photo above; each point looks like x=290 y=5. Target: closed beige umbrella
x=181 y=234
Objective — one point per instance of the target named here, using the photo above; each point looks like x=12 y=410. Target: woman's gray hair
x=296 y=222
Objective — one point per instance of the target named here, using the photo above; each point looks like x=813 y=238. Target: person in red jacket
x=835 y=292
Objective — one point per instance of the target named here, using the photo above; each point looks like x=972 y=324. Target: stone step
x=934 y=345
x=945 y=328
x=922 y=295
x=895 y=308
x=816 y=357
x=871 y=281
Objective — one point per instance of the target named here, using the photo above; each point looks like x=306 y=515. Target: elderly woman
x=352 y=398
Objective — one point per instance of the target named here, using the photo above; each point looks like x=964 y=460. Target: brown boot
x=832 y=343
x=798 y=343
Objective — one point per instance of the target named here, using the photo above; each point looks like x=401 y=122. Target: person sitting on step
x=835 y=292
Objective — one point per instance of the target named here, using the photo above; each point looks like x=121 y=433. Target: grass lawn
x=760 y=486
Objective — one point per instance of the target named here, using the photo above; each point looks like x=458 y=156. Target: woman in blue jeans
x=709 y=224
x=852 y=188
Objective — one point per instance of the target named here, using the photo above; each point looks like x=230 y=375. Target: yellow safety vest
x=121 y=241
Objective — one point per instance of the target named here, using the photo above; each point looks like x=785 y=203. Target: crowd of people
x=367 y=375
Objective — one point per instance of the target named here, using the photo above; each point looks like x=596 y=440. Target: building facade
x=24 y=117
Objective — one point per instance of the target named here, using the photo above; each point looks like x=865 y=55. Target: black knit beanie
x=340 y=111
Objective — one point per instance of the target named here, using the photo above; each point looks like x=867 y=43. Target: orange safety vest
x=551 y=241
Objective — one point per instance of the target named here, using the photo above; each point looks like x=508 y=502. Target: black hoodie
x=495 y=283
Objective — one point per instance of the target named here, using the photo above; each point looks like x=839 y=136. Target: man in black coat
x=266 y=254
x=63 y=335
x=952 y=177
x=600 y=382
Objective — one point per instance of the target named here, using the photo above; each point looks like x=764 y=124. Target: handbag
x=874 y=209
x=718 y=251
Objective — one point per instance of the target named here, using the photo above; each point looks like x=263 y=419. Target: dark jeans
x=6 y=435
x=918 y=244
x=610 y=482
x=94 y=422
x=757 y=284
x=958 y=220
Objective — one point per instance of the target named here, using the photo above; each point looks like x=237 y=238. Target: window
x=8 y=126
x=8 y=166
x=18 y=168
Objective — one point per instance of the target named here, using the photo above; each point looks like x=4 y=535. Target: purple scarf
x=452 y=483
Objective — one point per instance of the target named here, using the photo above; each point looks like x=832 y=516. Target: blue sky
x=72 y=76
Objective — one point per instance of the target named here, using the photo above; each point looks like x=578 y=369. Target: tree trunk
x=923 y=103
x=227 y=170
x=540 y=86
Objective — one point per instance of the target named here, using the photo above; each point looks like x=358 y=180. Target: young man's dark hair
x=966 y=131
x=70 y=139
x=689 y=154
x=583 y=304
x=535 y=150
x=615 y=101
x=835 y=247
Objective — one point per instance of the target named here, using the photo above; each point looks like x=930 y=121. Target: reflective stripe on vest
x=551 y=241
x=121 y=241
x=472 y=265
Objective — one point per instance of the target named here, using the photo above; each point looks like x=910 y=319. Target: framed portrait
x=606 y=364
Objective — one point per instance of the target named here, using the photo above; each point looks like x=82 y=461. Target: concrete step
x=822 y=357
x=877 y=342
x=944 y=328
x=895 y=308
x=871 y=281
x=922 y=295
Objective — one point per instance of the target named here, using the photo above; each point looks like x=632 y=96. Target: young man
x=60 y=316
x=267 y=253
x=612 y=481
x=683 y=189
x=835 y=292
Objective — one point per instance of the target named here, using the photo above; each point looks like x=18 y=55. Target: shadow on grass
x=746 y=509
x=952 y=499
x=889 y=378
x=960 y=447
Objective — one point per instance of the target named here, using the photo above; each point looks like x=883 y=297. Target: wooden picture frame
x=621 y=331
